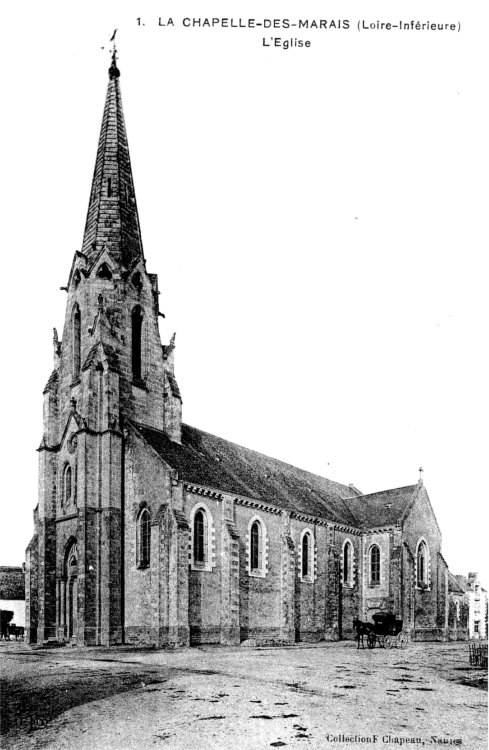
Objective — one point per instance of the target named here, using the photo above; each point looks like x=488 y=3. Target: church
x=152 y=532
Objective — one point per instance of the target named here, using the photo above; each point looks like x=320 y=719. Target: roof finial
x=114 y=71
x=421 y=474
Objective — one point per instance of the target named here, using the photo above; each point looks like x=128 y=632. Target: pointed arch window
x=199 y=538
x=202 y=539
x=306 y=562
x=76 y=337
x=104 y=272
x=136 y=337
x=374 y=565
x=347 y=563
x=422 y=565
x=137 y=281
x=305 y=555
x=144 y=538
x=67 y=483
x=255 y=546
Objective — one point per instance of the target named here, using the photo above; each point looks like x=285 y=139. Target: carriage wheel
x=402 y=640
x=371 y=638
x=388 y=641
x=381 y=640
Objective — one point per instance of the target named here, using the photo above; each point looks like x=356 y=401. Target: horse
x=362 y=628
x=17 y=631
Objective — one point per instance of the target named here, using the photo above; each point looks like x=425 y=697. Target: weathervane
x=113 y=70
x=114 y=49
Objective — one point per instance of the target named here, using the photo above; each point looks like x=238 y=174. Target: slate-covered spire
x=112 y=219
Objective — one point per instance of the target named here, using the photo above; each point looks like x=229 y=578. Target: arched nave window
x=374 y=565
x=257 y=552
x=255 y=544
x=306 y=562
x=202 y=555
x=144 y=538
x=347 y=564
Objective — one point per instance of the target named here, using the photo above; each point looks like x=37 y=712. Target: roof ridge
x=381 y=492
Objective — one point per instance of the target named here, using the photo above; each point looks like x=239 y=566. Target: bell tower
x=109 y=368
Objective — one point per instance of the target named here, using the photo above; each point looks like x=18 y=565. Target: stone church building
x=149 y=531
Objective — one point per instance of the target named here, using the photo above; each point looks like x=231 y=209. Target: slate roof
x=12 y=583
x=112 y=218
x=212 y=462
x=454 y=585
x=384 y=508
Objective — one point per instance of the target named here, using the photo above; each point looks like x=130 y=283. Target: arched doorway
x=71 y=602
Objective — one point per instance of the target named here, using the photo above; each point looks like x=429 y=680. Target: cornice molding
x=203 y=491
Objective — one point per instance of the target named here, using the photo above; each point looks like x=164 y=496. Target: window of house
x=144 y=538
x=374 y=566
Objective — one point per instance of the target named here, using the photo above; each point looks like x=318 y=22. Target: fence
x=478 y=655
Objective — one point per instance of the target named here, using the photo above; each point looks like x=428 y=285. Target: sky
x=317 y=218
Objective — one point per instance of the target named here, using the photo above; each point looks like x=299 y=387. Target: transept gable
x=420 y=495
x=382 y=509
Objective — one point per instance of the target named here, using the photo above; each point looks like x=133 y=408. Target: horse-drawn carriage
x=386 y=631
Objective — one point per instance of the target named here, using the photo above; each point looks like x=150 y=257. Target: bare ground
x=330 y=695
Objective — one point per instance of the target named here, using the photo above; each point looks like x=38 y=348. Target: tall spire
x=112 y=218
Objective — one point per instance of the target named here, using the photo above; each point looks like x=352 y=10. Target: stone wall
x=429 y=600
